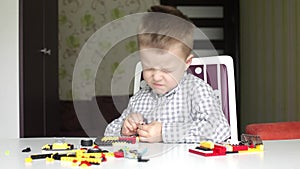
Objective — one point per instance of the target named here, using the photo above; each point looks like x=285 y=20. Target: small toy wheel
x=86 y=142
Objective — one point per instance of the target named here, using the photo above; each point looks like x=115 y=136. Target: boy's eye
x=162 y=70
x=166 y=70
x=149 y=69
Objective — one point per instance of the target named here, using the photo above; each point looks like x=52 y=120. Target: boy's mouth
x=157 y=84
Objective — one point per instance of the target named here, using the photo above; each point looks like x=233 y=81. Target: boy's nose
x=156 y=74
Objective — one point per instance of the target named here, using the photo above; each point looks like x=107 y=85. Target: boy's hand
x=150 y=132
x=131 y=123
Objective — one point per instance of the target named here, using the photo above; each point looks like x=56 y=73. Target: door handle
x=46 y=51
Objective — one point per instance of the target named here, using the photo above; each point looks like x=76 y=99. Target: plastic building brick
x=96 y=155
x=58 y=146
x=258 y=148
x=27 y=149
x=198 y=152
x=28 y=160
x=119 y=154
x=207 y=144
x=84 y=164
x=62 y=146
x=96 y=149
x=103 y=157
x=40 y=156
x=218 y=150
x=49 y=159
x=57 y=156
x=109 y=141
x=95 y=161
x=131 y=140
x=207 y=150
x=236 y=148
x=140 y=159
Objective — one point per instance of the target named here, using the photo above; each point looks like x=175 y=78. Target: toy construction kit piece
x=27 y=149
x=217 y=150
x=96 y=149
x=40 y=156
x=134 y=154
x=28 y=160
x=58 y=146
x=109 y=141
x=140 y=159
x=249 y=139
x=86 y=142
x=249 y=143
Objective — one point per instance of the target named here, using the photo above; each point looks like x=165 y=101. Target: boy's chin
x=159 y=92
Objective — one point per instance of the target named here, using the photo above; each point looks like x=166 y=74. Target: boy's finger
x=129 y=125
x=125 y=130
x=129 y=121
x=128 y=128
x=142 y=133
x=133 y=124
x=143 y=139
x=143 y=127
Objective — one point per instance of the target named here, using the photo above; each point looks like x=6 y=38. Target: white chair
x=218 y=71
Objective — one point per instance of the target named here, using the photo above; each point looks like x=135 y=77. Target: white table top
x=277 y=155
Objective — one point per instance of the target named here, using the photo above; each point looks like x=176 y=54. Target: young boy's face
x=162 y=69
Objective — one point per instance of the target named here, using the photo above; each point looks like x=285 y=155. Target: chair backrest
x=218 y=71
x=281 y=130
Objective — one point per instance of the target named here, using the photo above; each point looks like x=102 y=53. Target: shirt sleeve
x=114 y=128
x=209 y=121
x=206 y=121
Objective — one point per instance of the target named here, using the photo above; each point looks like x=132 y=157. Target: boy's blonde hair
x=165 y=26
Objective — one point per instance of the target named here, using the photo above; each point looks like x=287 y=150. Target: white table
x=277 y=155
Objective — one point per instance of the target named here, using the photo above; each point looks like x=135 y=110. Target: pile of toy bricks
x=249 y=143
x=89 y=154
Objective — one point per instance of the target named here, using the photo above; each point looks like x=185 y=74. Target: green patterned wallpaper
x=270 y=59
x=78 y=20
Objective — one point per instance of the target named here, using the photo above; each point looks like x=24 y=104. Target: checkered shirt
x=189 y=113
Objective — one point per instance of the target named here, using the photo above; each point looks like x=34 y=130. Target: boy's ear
x=188 y=60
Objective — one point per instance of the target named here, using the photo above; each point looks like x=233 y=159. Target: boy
x=173 y=106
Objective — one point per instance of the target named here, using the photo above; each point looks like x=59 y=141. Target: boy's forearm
x=174 y=132
x=113 y=129
x=194 y=132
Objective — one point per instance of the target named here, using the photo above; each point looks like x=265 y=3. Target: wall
x=9 y=72
x=270 y=59
x=78 y=21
